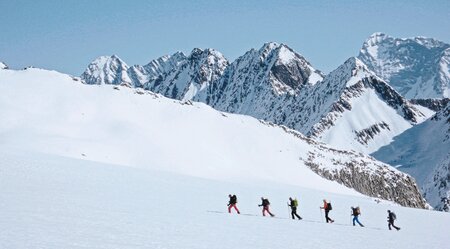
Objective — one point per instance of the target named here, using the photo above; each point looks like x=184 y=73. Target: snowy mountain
x=360 y=111
x=107 y=70
x=3 y=65
x=278 y=85
x=191 y=77
x=424 y=151
x=256 y=81
x=178 y=76
x=416 y=67
x=137 y=128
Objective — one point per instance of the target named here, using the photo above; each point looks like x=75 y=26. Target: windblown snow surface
x=112 y=167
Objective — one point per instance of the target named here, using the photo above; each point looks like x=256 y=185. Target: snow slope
x=51 y=202
x=353 y=109
x=424 y=152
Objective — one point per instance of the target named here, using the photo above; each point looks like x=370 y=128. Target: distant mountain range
x=352 y=107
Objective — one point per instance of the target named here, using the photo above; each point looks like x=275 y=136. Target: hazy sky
x=67 y=35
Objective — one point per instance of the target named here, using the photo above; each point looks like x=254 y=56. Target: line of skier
x=327 y=207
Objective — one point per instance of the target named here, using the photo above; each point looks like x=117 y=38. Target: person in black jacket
x=265 y=204
x=391 y=217
x=294 y=204
x=232 y=203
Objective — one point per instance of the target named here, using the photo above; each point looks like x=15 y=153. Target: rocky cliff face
x=432 y=104
x=360 y=172
x=416 y=67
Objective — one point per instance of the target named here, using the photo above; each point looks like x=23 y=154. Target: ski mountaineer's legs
x=233 y=206
x=266 y=209
x=355 y=218
x=294 y=213
x=328 y=219
x=391 y=223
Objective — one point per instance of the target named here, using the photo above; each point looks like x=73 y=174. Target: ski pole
x=288 y=209
x=321 y=214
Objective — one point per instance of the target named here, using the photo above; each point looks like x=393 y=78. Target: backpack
x=295 y=203
x=234 y=198
x=356 y=211
x=329 y=207
x=394 y=217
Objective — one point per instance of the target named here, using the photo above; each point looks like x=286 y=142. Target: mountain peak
x=106 y=70
x=353 y=70
x=270 y=46
x=199 y=53
x=105 y=60
x=375 y=39
x=416 y=67
x=3 y=65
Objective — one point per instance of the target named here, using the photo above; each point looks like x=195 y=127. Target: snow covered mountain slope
x=358 y=110
x=416 y=67
x=57 y=115
x=192 y=77
x=178 y=76
x=423 y=151
x=259 y=79
x=50 y=201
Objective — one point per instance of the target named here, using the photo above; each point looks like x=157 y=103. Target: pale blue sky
x=67 y=35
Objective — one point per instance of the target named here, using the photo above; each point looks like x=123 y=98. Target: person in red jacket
x=265 y=204
x=232 y=203
x=327 y=208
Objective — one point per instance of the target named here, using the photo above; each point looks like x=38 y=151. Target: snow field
x=57 y=202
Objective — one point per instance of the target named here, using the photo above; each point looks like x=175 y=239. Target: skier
x=232 y=203
x=391 y=217
x=265 y=204
x=294 y=204
x=356 y=212
x=327 y=207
